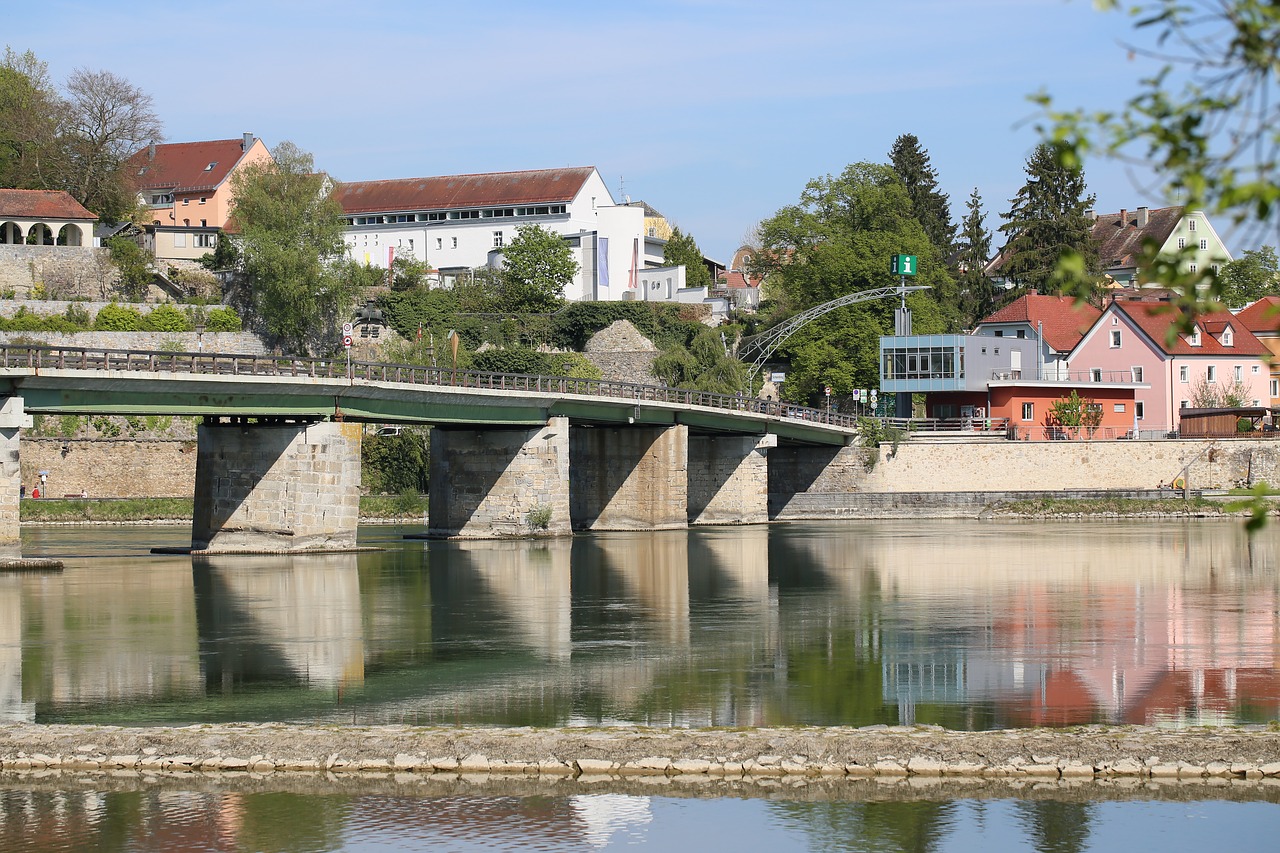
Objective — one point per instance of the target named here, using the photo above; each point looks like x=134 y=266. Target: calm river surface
x=971 y=625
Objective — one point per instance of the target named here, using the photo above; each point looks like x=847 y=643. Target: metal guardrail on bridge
x=38 y=358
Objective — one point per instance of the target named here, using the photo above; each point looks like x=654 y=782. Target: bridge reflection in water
x=965 y=624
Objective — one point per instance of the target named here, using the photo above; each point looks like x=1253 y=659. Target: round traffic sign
x=346 y=341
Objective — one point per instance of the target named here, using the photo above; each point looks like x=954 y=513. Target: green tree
x=1047 y=224
x=682 y=250
x=536 y=267
x=930 y=206
x=134 y=265
x=290 y=231
x=1074 y=413
x=978 y=293
x=29 y=111
x=1250 y=277
x=225 y=255
x=391 y=464
x=839 y=240
x=408 y=273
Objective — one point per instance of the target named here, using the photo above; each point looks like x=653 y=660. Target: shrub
x=117 y=318
x=222 y=320
x=166 y=318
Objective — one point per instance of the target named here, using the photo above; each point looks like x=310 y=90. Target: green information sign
x=904 y=265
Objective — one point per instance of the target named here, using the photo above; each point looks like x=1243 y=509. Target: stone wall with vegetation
x=58 y=271
x=622 y=354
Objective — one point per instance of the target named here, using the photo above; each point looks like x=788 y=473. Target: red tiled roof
x=1155 y=318
x=540 y=186
x=184 y=166
x=41 y=204
x=1262 y=316
x=1065 y=321
x=734 y=278
x=1119 y=237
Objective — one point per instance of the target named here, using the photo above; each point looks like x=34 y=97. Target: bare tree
x=105 y=120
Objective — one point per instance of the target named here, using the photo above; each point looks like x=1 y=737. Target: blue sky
x=715 y=112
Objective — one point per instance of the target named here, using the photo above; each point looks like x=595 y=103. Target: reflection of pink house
x=1133 y=334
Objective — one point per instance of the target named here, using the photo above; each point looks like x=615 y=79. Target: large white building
x=457 y=223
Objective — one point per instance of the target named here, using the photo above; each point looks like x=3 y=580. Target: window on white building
x=1191 y=224
x=1239 y=373
x=455 y=243
x=1204 y=244
x=439 y=242
x=497 y=239
x=206 y=241
x=1254 y=370
x=1183 y=373
x=1191 y=267
x=1182 y=242
x=1194 y=340
x=1211 y=374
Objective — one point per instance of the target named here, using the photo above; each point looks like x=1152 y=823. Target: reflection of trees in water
x=885 y=827
x=1054 y=826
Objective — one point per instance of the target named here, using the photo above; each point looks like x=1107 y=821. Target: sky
x=715 y=112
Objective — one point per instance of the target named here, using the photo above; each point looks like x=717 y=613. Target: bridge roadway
x=278 y=453
x=147 y=382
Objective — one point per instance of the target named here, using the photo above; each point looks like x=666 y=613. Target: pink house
x=1134 y=333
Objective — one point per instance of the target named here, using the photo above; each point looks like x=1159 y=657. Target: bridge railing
x=224 y=364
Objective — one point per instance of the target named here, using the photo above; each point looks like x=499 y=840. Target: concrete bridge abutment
x=499 y=481
x=276 y=487
x=12 y=420
x=629 y=478
x=728 y=479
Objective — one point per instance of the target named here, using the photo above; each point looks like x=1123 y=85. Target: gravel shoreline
x=582 y=755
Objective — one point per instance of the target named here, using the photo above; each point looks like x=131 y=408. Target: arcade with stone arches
x=20 y=232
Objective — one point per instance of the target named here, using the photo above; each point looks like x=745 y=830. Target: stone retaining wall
x=1088 y=753
x=111 y=468
x=71 y=270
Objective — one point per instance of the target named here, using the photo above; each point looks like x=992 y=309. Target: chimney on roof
x=1032 y=292
x=151 y=151
x=1143 y=217
x=246 y=141
x=1091 y=215
x=1124 y=218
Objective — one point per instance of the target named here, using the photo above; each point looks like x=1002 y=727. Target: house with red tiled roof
x=1219 y=360
x=44 y=218
x=1057 y=322
x=186 y=189
x=456 y=223
x=1121 y=236
x=1263 y=319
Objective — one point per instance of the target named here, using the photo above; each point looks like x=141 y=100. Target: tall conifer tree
x=978 y=295
x=931 y=207
x=1048 y=223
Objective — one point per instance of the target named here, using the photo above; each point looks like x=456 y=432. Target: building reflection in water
x=832 y=623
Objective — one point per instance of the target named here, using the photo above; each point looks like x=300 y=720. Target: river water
x=967 y=624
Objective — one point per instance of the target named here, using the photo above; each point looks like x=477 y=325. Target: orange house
x=186 y=187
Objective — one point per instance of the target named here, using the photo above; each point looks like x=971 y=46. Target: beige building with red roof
x=44 y=218
x=186 y=188
x=1263 y=319
x=456 y=223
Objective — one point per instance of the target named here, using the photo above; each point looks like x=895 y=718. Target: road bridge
x=278 y=453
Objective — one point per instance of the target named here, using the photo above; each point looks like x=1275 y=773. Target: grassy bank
x=1050 y=507
x=409 y=507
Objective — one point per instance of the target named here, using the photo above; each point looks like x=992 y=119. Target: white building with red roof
x=186 y=188
x=1137 y=334
x=456 y=223
x=1058 y=322
x=44 y=218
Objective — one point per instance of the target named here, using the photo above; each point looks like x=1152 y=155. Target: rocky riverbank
x=1093 y=753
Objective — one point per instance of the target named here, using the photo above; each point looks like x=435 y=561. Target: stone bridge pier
x=276 y=486
x=12 y=419
x=502 y=481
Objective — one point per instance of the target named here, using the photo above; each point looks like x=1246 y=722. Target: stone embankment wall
x=114 y=468
x=1011 y=466
x=798 y=753
x=235 y=343
x=68 y=270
